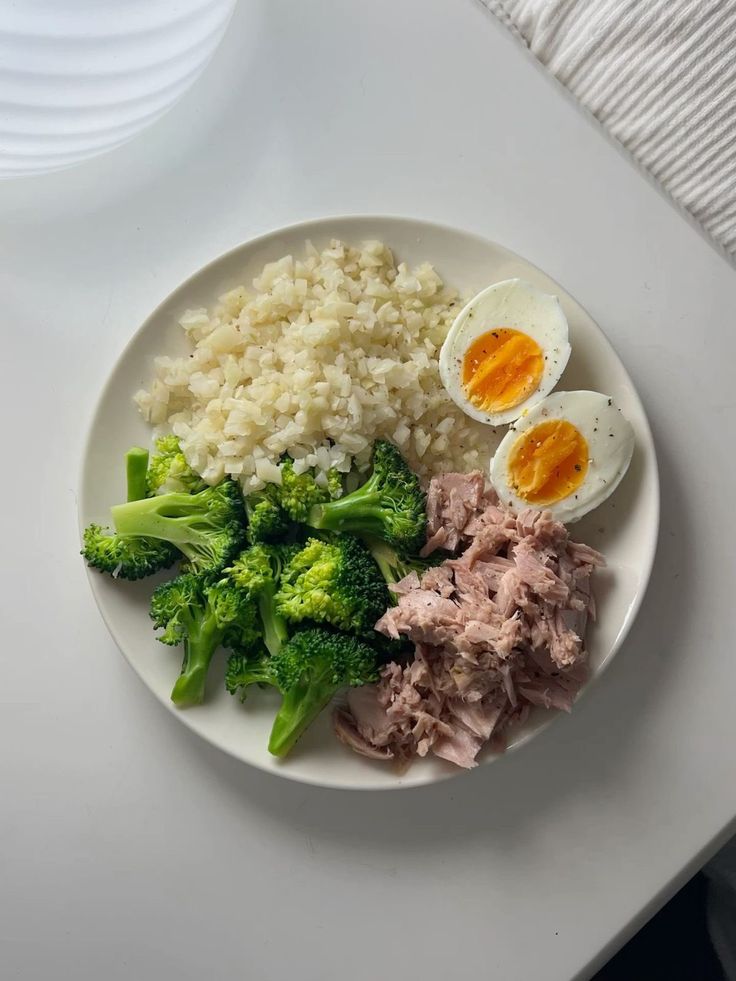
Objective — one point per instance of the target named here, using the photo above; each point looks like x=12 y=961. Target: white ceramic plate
x=624 y=528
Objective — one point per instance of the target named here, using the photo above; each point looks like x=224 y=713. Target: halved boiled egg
x=567 y=454
x=506 y=350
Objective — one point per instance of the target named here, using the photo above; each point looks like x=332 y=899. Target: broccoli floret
x=335 y=582
x=308 y=671
x=267 y=521
x=244 y=670
x=256 y=572
x=128 y=558
x=207 y=527
x=335 y=486
x=169 y=471
x=273 y=510
x=390 y=505
x=202 y=614
x=299 y=491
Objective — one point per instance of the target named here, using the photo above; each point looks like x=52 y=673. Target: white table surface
x=128 y=848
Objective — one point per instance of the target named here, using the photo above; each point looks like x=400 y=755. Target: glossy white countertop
x=129 y=848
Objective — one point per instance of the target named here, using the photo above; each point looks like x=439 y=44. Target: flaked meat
x=585 y=555
x=459 y=747
x=424 y=617
x=541 y=527
x=536 y=572
x=478 y=632
x=470 y=587
x=511 y=635
x=453 y=499
x=512 y=593
x=543 y=684
x=479 y=717
x=439 y=578
x=497 y=629
x=346 y=730
x=452 y=491
x=405 y=585
x=492 y=570
x=367 y=707
x=565 y=646
x=491 y=540
x=440 y=539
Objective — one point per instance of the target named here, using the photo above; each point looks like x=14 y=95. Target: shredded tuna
x=346 y=731
x=453 y=500
x=406 y=584
x=498 y=628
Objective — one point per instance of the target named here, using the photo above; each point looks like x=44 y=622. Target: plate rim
x=393 y=780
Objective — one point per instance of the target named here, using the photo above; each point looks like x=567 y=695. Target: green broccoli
x=267 y=521
x=128 y=558
x=390 y=505
x=273 y=510
x=207 y=527
x=202 y=614
x=395 y=565
x=298 y=492
x=256 y=572
x=136 y=473
x=334 y=582
x=244 y=670
x=169 y=471
x=308 y=671
x=335 y=484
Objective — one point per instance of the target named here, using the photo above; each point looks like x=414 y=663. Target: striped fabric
x=660 y=75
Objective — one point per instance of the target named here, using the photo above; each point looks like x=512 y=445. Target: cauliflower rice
x=326 y=354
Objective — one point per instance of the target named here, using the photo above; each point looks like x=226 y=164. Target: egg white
x=516 y=304
x=610 y=439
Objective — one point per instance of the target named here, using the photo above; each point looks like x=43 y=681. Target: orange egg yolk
x=548 y=462
x=501 y=369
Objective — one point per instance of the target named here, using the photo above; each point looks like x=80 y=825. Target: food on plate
x=168 y=470
x=497 y=628
x=326 y=498
x=136 y=473
x=298 y=614
x=324 y=355
x=257 y=572
x=567 y=454
x=308 y=671
x=203 y=615
x=125 y=557
x=506 y=350
x=207 y=527
x=335 y=582
x=389 y=505
x=395 y=565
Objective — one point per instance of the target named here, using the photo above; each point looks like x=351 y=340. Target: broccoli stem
x=177 y=525
x=300 y=707
x=202 y=641
x=385 y=558
x=275 y=633
x=361 y=511
x=136 y=467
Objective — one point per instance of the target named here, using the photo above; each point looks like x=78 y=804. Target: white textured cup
x=80 y=77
